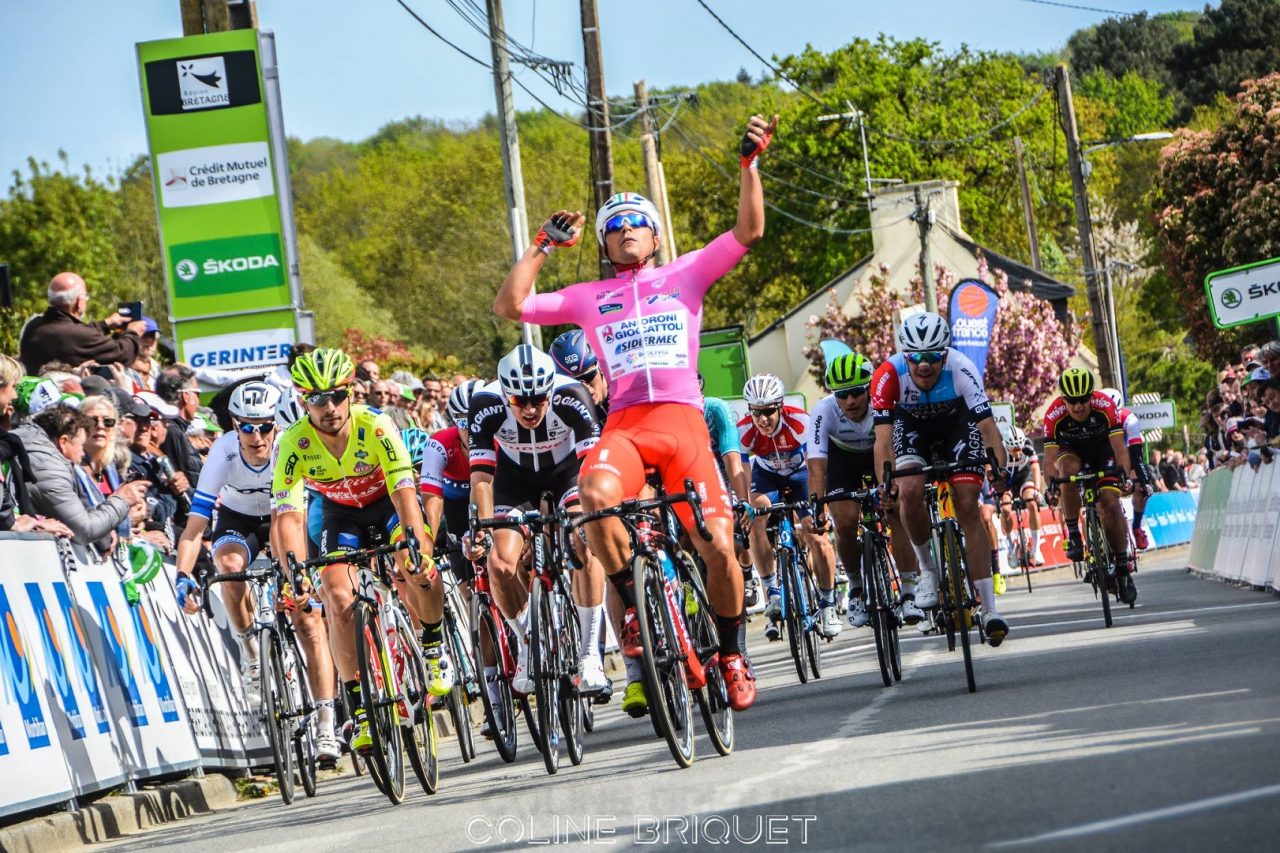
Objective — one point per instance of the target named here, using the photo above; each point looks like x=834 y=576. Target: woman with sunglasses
x=930 y=406
x=102 y=449
x=842 y=459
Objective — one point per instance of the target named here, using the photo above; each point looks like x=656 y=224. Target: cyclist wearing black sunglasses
x=930 y=406
x=529 y=430
x=842 y=459
x=1083 y=432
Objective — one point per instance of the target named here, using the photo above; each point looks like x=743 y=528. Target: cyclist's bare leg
x=232 y=557
x=844 y=517
x=989 y=524
x=607 y=538
x=977 y=541
x=1113 y=520
x=900 y=543
x=758 y=539
x=724 y=578
x=1030 y=496
x=338 y=596
x=314 y=640
x=588 y=595
x=1006 y=513
x=426 y=605
x=910 y=506
x=823 y=557
x=1068 y=466
x=506 y=579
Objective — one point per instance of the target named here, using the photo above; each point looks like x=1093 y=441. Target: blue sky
x=69 y=81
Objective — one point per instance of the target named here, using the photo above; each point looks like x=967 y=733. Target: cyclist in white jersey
x=234 y=492
x=1023 y=475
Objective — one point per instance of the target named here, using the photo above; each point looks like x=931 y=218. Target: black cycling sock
x=1137 y=518
x=995 y=560
x=1073 y=529
x=728 y=627
x=353 y=697
x=624 y=583
x=432 y=633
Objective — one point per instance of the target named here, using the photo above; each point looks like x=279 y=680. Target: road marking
x=1146 y=817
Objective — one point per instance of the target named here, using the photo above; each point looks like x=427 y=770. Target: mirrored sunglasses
x=765 y=413
x=932 y=357
x=260 y=429
x=523 y=402
x=627 y=220
x=846 y=393
x=337 y=396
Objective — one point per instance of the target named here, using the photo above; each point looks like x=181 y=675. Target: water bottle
x=668 y=567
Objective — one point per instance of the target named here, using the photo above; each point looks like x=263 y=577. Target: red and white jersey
x=783 y=452
x=1132 y=427
x=446 y=466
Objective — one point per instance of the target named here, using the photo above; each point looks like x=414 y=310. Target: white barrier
x=96 y=693
x=1237 y=534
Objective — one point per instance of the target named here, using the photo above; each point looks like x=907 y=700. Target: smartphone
x=104 y=371
x=131 y=310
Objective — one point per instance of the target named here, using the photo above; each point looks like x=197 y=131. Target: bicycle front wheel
x=810 y=619
x=957 y=579
x=877 y=609
x=572 y=703
x=386 y=755
x=1024 y=558
x=544 y=652
x=464 y=675
x=275 y=708
x=791 y=592
x=668 y=693
x=713 y=699
x=304 y=738
x=417 y=723
x=499 y=709
x=1099 y=562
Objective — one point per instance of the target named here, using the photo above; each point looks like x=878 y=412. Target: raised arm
x=562 y=228
x=750 y=226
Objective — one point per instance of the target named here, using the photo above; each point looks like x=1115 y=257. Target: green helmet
x=145 y=562
x=1076 y=382
x=322 y=369
x=35 y=394
x=848 y=371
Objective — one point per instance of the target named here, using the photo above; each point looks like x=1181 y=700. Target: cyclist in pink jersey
x=643 y=325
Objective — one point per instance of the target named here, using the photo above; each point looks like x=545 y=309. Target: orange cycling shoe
x=739 y=681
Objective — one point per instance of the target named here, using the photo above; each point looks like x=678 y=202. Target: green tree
x=1143 y=44
x=1237 y=41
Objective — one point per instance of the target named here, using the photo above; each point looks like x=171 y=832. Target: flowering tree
x=1218 y=200
x=1029 y=347
x=393 y=355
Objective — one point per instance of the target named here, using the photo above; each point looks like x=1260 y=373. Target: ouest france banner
x=216 y=188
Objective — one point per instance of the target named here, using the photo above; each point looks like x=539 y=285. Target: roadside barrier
x=1237 y=531
x=97 y=694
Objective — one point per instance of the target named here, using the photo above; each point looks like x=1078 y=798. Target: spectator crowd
x=103 y=445
x=1241 y=415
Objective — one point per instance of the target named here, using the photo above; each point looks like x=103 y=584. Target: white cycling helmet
x=924 y=332
x=288 y=411
x=526 y=371
x=763 y=389
x=1015 y=439
x=254 y=400
x=623 y=203
x=460 y=401
x=1115 y=395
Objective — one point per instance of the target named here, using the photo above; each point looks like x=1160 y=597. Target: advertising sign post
x=229 y=255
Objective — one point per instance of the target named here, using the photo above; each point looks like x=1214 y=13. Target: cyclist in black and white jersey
x=529 y=430
x=1023 y=474
x=234 y=493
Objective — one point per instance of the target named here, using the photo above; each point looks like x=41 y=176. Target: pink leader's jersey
x=644 y=325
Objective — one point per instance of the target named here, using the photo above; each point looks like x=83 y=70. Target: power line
x=1083 y=8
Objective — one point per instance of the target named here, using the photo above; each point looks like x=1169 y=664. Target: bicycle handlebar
x=637 y=505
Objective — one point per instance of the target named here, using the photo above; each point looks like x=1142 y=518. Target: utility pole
x=1028 y=212
x=923 y=217
x=597 y=109
x=652 y=168
x=217 y=16
x=512 y=171
x=1093 y=283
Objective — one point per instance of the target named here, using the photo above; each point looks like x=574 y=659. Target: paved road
x=1160 y=733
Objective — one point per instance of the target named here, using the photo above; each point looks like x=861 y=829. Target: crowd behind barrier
x=1237 y=531
x=98 y=693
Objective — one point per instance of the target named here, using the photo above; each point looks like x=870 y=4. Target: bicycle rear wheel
x=669 y=701
x=1024 y=558
x=957 y=578
x=418 y=728
x=275 y=708
x=785 y=568
x=386 y=757
x=886 y=573
x=304 y=739
x=500 y=714
x=713 y=699
x=464 y=675
x=573 y=705
x=810 y=619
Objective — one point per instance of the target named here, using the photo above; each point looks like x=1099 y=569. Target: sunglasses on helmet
x=930 y=357
x=337 y=396
x=260 y=429
x=630 y=219
x=846 y=393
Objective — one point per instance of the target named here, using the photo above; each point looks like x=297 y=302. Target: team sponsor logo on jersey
x=610 y=307
x=573 y=403
x=403 y=483
x=289 y=464
x=363 y=468
x=610 y=294
x=379 y=433
x=662 y=297
x=360 y=432
x=361 y=454
x=304 y=443
x=658 y=282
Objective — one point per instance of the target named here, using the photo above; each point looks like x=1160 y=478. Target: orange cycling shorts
x=670 y=438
